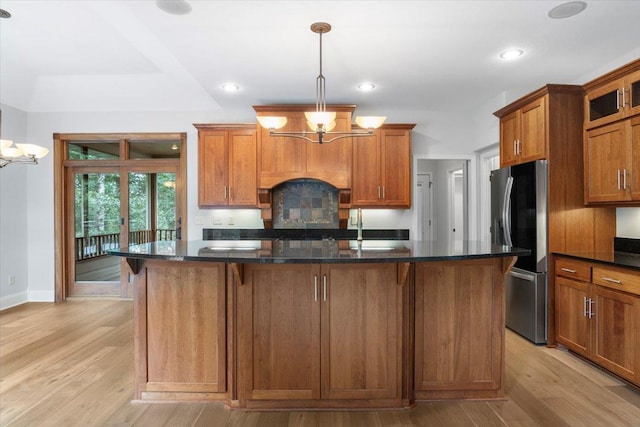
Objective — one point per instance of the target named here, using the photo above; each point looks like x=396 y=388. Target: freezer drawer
x=526 y=304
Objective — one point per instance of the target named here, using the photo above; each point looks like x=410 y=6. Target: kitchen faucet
x=359 y=224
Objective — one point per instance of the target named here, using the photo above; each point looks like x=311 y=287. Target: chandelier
x=20 y=153
x=321 y=122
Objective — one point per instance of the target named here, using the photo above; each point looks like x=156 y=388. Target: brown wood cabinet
x=613 y=96
x=612 y=163
x=227 y=165
x=459 y=329
x=313 y=335
x=180 y=349
x=523 y=133
x=283 y=158
x=598 y=314
x=382 y=168
x=572 y=225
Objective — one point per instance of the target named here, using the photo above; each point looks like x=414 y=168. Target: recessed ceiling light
x=366 y=86
x=230 y=87
x=567 y=10
x=4 y=14
x=174 y=7
x=511 y=54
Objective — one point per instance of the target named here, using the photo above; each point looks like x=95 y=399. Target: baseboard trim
x=42 y=296
x=13 y=300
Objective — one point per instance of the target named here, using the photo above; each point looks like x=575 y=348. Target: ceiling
x=69 y=56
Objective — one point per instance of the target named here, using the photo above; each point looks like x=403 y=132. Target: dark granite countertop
x=617 y=259
x=315 y=251
x=626 y=253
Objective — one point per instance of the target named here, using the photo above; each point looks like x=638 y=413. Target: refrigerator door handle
x=527 y=277
x=506 y=212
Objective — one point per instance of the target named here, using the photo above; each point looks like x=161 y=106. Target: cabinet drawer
x=616 y=278
x=577 y=270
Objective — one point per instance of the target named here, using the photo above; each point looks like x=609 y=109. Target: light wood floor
x=71 y=364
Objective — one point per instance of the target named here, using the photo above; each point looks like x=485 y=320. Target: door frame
x=61 y=164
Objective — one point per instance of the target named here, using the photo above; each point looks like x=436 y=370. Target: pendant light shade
x=321 y=122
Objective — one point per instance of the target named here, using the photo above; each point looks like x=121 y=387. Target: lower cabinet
x=314 y=335
x=180 y=332
x=598 y=314
x=459 y=329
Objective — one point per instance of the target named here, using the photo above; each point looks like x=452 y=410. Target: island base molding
x=319 y=336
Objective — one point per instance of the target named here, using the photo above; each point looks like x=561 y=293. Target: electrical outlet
x=230 y=221
x=12 y=280
x=217 y=220
x=354 y=220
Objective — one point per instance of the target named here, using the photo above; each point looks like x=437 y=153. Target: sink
x=377 y=245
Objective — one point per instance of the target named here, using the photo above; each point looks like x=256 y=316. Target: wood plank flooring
x=71 y=364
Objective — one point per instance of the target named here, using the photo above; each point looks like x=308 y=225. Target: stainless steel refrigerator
x=519 y=218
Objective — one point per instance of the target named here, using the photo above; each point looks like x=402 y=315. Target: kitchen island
x=282 y=324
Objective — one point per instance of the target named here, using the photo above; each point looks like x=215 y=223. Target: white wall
x=13 y=216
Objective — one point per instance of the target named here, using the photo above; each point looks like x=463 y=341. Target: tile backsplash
x=305 y=203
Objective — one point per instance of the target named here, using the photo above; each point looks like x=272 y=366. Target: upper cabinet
x=612 y=163
x=612 y=138
x=227 y=165
x=613 y=97
x=284 y=158
x=522 y=134
x=382 y=168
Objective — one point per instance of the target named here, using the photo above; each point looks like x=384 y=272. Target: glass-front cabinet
x=613 y=101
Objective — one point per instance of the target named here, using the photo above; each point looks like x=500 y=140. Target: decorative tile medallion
x=305 y=203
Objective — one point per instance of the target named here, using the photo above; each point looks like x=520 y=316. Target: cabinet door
x=632 y=93
x=186 y=324
x=366 y=170
x=279 y=332
x=532 y=132
x=459 y=327
x=361 y=331
x=605 y=159
x=212 y=168
x=634 y=177
x=572 y=319
x=396 y=167
x=617 y=334
x=604 y=104
x=509 y=134
x=242 y=190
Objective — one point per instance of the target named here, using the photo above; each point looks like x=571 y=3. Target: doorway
x=448 y=194
x=114 y=192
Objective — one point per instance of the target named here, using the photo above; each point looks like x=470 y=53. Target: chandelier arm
x=321 y=140
x=28 y=160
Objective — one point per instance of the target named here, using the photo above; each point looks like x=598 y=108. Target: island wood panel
x=361 y=332
x=182 y=307
x=279 y=333
x=617 y=324
x=459 y=329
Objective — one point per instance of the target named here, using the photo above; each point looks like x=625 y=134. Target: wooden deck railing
x=97 y=246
